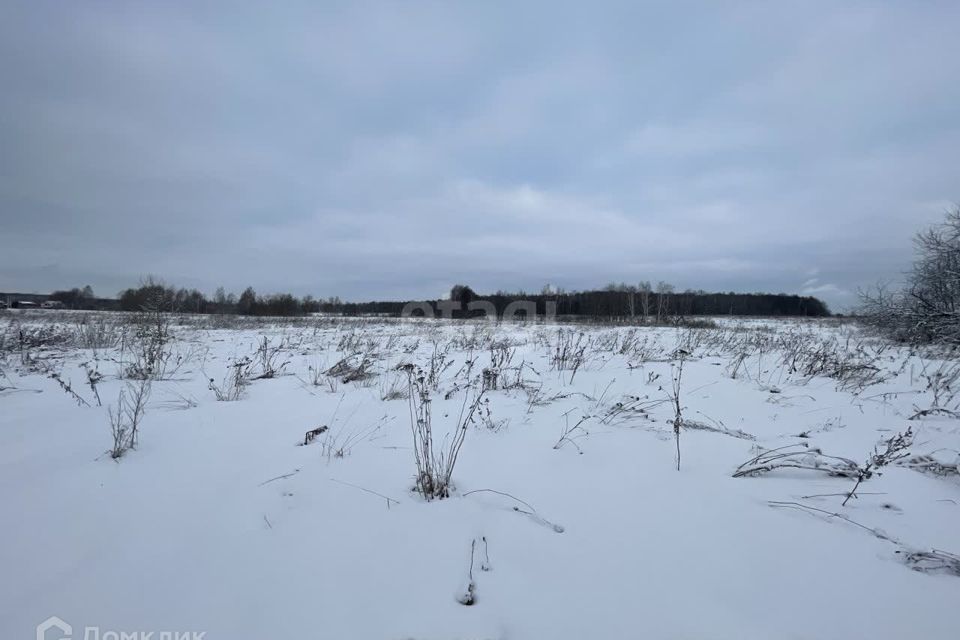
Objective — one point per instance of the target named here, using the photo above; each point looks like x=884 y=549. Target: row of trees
x=76 y=298
x=159 y=296
x=649 y=304
x=641 y=302
x=927 y=307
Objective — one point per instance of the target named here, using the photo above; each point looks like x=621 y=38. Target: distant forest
x=618 y=302
x=614 y=302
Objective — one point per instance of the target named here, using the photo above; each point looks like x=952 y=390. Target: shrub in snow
x=895 y=450
x=268 y=359
x=570 y=352
x=803 y=456
x=435 y=463
x=148 y=346
x=234 y=383
x=355 y=367
x=125 y=419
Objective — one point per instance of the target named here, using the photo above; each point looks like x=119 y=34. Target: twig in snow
x=532 y=513
x=309 y=436
x=831 y=514
x=387 y=498
x=921 y=413
x=717 y=427
x=797 y=456
x=68 y=389
x=895 y=450
x=469 y=596
x=286 y=475
x=572 y=434
x=485 y=565
x=675 y=398
x=499 y=493
x=932 y=561
x=829 y=495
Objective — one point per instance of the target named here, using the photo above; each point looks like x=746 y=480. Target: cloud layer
x=386 y=150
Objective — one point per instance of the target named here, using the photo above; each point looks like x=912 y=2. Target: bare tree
x=927 y=309
x=663 y=300
x=631 y=299
x=645 y=290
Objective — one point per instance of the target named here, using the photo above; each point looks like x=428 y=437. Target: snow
x=219 y=522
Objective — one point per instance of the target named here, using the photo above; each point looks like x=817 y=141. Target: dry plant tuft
x=895 y=449
x=125 y=419
x=675 y=400
x=234 y=383
x=435 y=463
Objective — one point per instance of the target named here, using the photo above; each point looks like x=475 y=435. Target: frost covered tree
x=927 y=309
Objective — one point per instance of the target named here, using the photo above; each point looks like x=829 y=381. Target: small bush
x=234 y=383
x=125 y=419
x=434 y=463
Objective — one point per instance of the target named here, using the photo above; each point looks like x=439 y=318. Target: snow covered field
x=567 y=507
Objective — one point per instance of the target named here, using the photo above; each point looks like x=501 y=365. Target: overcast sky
x=388 y=150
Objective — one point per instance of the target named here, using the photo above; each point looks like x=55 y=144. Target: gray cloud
x=374 y=150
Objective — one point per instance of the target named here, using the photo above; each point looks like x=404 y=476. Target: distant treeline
x=631 y=302
x=615 y=301
x=153 y=295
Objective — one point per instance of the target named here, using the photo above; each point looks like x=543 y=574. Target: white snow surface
x=219 y=522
